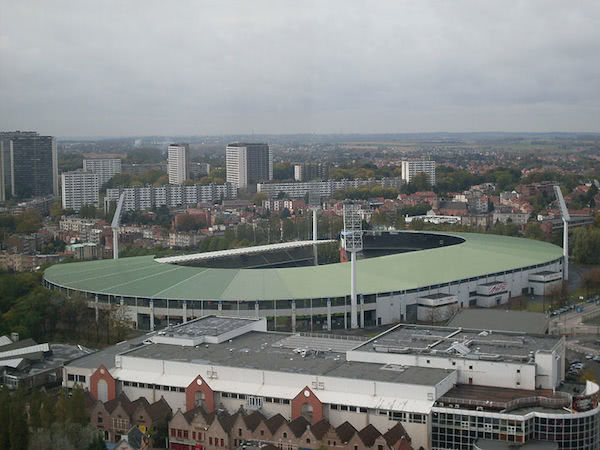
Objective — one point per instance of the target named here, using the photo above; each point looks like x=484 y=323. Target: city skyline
x=318 y=68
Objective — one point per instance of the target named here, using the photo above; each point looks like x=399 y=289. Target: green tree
x=19 y=430
x=4 y=418
x=35 y=404
x=97 y=443
x=47 y=415
x=76 y=406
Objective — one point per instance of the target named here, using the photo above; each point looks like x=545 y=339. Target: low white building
x=407 y=374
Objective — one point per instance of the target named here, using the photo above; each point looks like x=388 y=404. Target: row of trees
x=33 y=311
x=46 y=421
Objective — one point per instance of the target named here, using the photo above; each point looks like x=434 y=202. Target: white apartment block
x=179 y=163
x=106 y=168
x=248 y=164
x=79 y=188
x=412 y=167
x=322 y=189
x=171 y=195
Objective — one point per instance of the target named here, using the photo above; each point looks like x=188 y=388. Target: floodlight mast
x=314 y=202
x=353 y=243
x=116 y=224
x=566 y=218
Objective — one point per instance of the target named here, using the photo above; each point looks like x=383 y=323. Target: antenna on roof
x=566 y=218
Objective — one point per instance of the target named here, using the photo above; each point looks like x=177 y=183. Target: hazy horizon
x=150 y=68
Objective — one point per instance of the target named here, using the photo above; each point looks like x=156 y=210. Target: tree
x=29 y=221
x=76 y=406
x=97 y=443
x=533 y=230
x=19 y=430
x=4 y=418
x=591 y=281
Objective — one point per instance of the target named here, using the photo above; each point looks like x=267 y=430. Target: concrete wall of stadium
x=320 y=314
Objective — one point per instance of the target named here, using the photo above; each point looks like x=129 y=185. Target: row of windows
x=77 y=378
x=347 y=408
x=402 y=416
x=158 y=387
x=198 y=437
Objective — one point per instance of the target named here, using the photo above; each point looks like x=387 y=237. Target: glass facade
x=460 y=429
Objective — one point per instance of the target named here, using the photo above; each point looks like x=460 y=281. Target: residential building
x=114 y=418
x=79 y=188
x=322 y=189
x=170 y=195
x=413 y=167
x=199 y=169
x=311 y=171
x=106 y=168
x=248 y=164
x=28 y=165
x=179 y=163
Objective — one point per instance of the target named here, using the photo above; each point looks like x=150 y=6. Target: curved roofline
x=479 y=255
x=239 y=251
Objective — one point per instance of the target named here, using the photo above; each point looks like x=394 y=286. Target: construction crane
x=566 y=218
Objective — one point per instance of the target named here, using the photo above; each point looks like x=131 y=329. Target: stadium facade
x=424 y=276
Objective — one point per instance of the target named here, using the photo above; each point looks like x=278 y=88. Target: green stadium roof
x=479 y=254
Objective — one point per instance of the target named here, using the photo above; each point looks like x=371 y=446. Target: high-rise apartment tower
x=179 y=163
x=28 y=165
x=106 y=168
x=412 y=167
x=248 y=164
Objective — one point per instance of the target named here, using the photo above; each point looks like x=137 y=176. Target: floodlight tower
x=314 y=201
x=353 y=243
x=566 y=218
x=116 y=223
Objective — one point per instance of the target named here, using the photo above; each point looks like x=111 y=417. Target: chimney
x=14 y=337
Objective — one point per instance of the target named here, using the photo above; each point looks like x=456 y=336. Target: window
x=134 y=384
x=284 y=434
x=100 y=419
x=120 y=424
x=470 y=367
x=165 y=388
x=239 y=431
x=181 y=389
x=185 y=434
x=222 y=443
x=71 y=377
x=363 y=410
x=81 y=378
x=142 y=385
x=307 y=440
x=453 y=363
x=518 y=370
x=126 y=383
x=173 y=432
x=179 y=433
x=333 y=407
x=262 y=432
x=210 y=441
x=193 y=435
x=428 y=361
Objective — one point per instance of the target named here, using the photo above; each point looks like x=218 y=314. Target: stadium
x=401 y=276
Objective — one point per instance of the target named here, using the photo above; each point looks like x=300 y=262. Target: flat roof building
x=106 y=168
x=179 y=163
x=79 y=188
x=408 y=374
x=28 y=165
x=248 y=164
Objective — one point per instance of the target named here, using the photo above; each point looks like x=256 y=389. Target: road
x=571 y=322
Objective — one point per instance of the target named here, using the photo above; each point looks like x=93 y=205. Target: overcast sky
x=108 y=68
